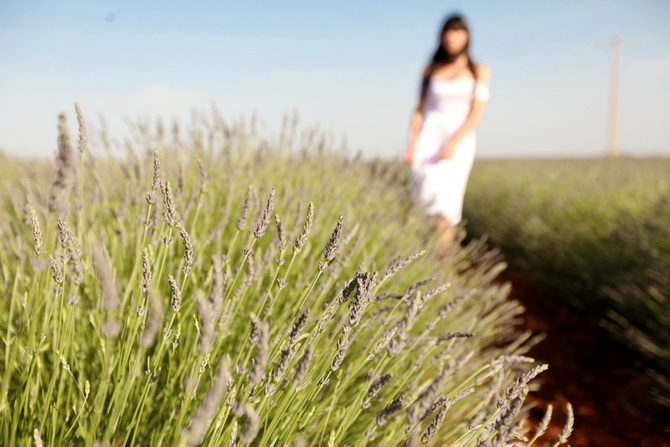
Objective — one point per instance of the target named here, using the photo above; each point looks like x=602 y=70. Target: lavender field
x=596 y=232
x=215 y=287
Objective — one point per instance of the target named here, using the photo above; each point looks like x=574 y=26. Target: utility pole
x=613 y=149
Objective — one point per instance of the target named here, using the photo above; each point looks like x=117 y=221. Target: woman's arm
x=417 y=116
x=417 y=119
x=471 y=122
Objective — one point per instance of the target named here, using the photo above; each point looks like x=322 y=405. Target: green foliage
x=155 y=300
x=598 y=231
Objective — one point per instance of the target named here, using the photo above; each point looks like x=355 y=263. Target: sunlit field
x=213 y=286
x=597 y=233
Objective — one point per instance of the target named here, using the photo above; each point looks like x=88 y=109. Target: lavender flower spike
x=397 y=265
x=176 y=294
x=147 y=274
x=384 y=415
x=37 y=233
x=281 y=237
x=188 y=248
x=169 y=209
x=333 y=244
x=263 y=223
x=302 y=368
x=306 y=229
x=567 y=429
x=195 y=433
x=242 y=221
x=57 y=274
x=156 y=184
x=261 y=359
x=83 y=138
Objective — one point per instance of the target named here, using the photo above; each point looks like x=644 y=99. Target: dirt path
x=589 y=369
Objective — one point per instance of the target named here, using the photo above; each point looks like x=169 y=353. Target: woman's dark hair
x=442 y=56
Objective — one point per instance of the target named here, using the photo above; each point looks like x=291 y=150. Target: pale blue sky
x=350 y=66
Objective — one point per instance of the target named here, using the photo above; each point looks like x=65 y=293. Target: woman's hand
x=448 y=149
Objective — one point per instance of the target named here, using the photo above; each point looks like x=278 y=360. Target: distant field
x=597 y=231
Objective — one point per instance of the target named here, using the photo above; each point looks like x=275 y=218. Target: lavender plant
x=113 y=334
x=597 y=232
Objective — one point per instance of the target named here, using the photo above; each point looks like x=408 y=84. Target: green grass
x=595 y=231
x=122 y=327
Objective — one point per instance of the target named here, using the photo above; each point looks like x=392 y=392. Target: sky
x=352 y=67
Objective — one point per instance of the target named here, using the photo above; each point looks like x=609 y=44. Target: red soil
x=590 y=370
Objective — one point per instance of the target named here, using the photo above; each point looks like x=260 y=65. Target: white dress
x=439 y=185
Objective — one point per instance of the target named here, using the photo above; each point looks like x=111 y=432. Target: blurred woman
x=441 y=150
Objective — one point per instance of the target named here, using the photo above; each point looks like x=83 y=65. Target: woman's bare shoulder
x=483 y=72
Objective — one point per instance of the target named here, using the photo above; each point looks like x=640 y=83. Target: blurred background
x=352 y=67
